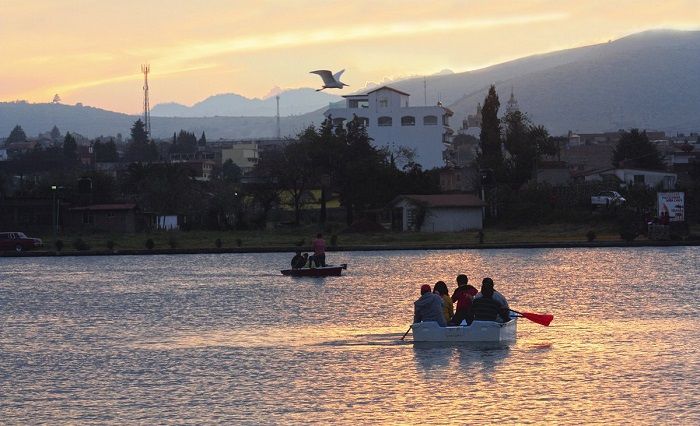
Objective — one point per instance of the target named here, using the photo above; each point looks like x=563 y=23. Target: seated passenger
x=463 y=295
x=428 y=307
x=448 y=308
x=486 y=307
x=498 y=297
x=298 y=261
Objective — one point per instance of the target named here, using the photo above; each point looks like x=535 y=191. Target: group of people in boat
x=437 y=305
x=317 y=260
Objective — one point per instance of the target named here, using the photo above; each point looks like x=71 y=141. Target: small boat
x=324 y=271
x=478 y=331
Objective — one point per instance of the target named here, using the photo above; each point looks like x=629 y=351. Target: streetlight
x=54 y=209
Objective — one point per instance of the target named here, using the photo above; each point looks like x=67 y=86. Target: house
x=650 y=178
x=243 y=154
x=437 y=213
x=391 y=123
x=123 y=217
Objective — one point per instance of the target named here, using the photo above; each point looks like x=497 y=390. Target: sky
x=91 y=51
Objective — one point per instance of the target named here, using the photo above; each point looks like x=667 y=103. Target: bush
x=590 y=236
x=172 y=242
x=150 y=244
x=80 y=245
x=218 y=243
x=58 y=244
x=334 y=240
x=239 y=242
x=110 y=245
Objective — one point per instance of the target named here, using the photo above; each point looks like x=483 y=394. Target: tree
x=105 y=152
x=634 y=149
x=184 y=142
x=55 y=134
x=16 y=135
x=140 y=148
x=70 y=148
x=230 y=172
x=490 y=155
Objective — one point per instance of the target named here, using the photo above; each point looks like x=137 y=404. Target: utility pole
x=279 y=132
x=145 y=69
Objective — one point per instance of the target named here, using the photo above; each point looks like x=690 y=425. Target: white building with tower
x=392 y=122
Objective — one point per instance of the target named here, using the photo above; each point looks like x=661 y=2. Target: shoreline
x=378 y=247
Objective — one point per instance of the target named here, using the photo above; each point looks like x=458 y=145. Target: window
x=445 y=120
x=384 y=121
x=384 y=103
x=430 y=120
x=408 y=120
x=364 y=121
x=87 y=218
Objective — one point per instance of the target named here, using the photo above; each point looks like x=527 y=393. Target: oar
x=409 y=329
x=542 y=319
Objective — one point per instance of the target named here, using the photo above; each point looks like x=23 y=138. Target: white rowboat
x=478 y=331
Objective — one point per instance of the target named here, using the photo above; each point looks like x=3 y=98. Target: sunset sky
x=90 y=51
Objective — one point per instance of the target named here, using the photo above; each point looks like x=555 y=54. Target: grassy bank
x=295 y=237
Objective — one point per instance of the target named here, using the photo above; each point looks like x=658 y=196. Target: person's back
x=428 y=307
x=318 y=245
x=487 y=307
x=298 y=261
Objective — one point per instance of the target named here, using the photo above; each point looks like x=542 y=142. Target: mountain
x=292 y=102
x=648 y=80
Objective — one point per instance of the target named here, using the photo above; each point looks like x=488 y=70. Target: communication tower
x=279 y=133
x=145 y=69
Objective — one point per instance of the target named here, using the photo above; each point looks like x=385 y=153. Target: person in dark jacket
x=463 y=295
x=486 y=307
x=428 y=307
x=298 y=261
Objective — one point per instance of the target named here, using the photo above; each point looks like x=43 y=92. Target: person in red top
x=318 y=245
x=463 y=295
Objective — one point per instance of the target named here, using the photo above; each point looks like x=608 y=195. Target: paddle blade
x=543 y=319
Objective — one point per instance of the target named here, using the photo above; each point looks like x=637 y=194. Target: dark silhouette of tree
x=55 y=134
x=490 y=155
x=105 y=152
x=140 y=148
x=16 y=135
x=70 y=148
x=634 y=149
x=184 y=143
x=230 y=172
x=525 y=144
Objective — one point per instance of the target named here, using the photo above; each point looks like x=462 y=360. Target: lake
x=225 y=338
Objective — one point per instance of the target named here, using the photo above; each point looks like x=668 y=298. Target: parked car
x=18 y=241
x=607 y=198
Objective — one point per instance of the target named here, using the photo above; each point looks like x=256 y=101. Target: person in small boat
x=441 y=290
x=428 y=307
x=318 y=245
x=463 y=295
x=498 y=297
x=486 y=307
x=298 y=261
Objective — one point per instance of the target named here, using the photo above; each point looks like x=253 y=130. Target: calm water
x=225 y=338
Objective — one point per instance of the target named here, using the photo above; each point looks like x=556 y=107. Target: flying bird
x=330 y=81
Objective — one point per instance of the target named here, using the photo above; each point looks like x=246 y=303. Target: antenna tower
x=145 y=69
x=279 y=133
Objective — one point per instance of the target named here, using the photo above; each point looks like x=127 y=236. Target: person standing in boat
x=428 y=307
x=486 y=307
x=441 y=290
x=318 y=245
x=463 y=295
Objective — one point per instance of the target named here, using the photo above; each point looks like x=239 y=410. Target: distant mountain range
x=292 y=102
x=647 y=80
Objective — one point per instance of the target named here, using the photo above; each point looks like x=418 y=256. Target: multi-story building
x=391 y=122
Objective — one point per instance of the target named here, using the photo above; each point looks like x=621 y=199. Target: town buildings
x=392 y=123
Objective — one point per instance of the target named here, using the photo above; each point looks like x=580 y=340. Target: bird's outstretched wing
x=326 y=75
x=337 y=75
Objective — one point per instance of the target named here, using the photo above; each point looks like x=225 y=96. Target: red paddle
x=542 y=319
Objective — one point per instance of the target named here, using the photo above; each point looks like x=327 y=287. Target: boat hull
x=327 y=271
x=478 y=331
